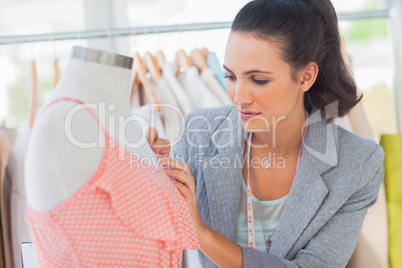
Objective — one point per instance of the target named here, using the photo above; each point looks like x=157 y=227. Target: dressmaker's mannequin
x=55 y=166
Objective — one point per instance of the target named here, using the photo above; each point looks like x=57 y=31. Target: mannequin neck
x=90 y=82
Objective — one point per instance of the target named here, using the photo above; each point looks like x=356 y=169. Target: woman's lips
x=246 y=114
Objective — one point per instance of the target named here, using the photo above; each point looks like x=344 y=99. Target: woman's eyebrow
x=257 y=71
x=248 y=72
x=226 y=68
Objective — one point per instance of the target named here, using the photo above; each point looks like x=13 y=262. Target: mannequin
x=60 y=158
x=95 y=199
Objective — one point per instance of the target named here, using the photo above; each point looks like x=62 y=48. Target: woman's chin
x=255 y=128
x=256 y=124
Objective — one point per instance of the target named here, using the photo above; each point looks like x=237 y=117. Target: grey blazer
x=337 y=180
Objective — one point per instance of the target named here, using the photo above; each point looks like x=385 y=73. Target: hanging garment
x=124 y=216
x=136 y=100
x=344 y=122
x=359 y=122
x=2 y=261
x=198 y=92
x=209 y=78
x=374 y=233
x=371 y=250
x=181 y=95
x=392 y=145
x=12 y=134
x=213 y=63
x=356 y=121
x=5 y=190
x=15 y=170
x=140 y=97
x=150 y=117
x=171 y=112
x=141 y=107
x=357 y=116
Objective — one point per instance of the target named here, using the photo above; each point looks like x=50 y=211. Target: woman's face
x=259 y=82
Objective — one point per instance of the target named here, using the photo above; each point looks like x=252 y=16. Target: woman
x=311 y=182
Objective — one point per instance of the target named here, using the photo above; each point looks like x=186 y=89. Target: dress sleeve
x=179 y=149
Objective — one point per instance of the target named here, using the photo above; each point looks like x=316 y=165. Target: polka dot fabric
x=125 y=215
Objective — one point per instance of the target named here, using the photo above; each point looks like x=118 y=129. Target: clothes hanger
x=160 y=59
x=206 y=52
x=33 y=96
x=160 y=56
x=152 y=66
x=140 y=72
x=34 y=89
x=56 y=72
x=55 y=66
x=135 y=80
x=199 y=59
x=181 y=61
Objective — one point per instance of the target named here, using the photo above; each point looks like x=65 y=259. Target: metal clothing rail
x=109 y=33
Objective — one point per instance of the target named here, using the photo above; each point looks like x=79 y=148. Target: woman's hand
x=185 y=184
x=161 y=147
x=221 y=250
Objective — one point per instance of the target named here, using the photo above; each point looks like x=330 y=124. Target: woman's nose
x=242 y=95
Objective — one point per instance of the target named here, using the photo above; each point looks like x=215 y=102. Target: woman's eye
x=230 y=77
x=260 y=82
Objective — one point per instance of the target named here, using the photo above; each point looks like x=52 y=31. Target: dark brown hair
x=306 y=31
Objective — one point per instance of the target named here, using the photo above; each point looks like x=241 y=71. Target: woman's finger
x=161 y=146
x=182 y=177
x=158 y=145
x=174 y=164
x=152 y=135
x=185 y=192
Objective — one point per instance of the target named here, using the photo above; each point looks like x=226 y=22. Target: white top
x=181 y=95
x=198 y=92
x=209 y=78
x=170 y=113
x=271 y=210
x=146 y=117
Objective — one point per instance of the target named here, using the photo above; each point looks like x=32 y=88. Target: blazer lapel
x=222 y=175
x=223 y=193
x=308 y=190
x=305 y=198
x=307 y=193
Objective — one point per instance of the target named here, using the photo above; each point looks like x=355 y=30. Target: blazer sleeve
x=179 y=148
x=333 y=244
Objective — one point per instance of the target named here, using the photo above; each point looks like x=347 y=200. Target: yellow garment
x=392 y=145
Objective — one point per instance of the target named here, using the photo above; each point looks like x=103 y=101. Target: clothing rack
x=141 y=30
x=110 y=33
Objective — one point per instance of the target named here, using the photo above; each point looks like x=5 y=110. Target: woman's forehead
x=246 y=51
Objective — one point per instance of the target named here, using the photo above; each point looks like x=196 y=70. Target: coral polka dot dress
x=123 y=216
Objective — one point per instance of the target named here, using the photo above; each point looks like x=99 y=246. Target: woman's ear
x=307 y=76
